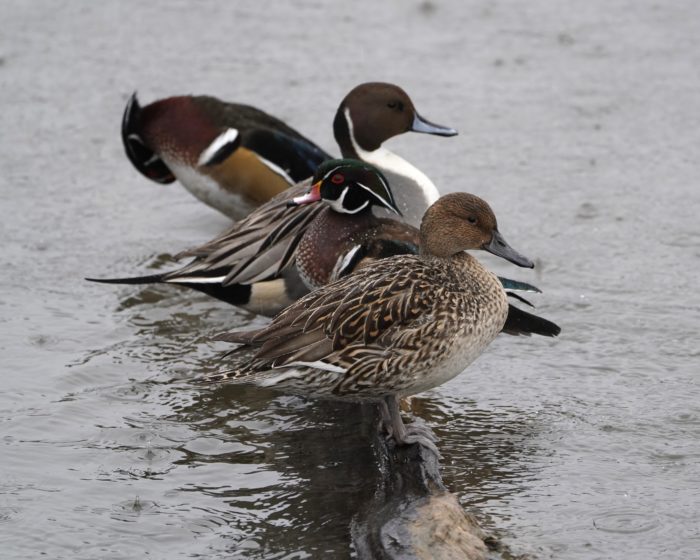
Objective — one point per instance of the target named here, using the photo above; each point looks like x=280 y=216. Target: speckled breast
x=328 y=238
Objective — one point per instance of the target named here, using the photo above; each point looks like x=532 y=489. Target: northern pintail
x=235 y=157
x=402 y=326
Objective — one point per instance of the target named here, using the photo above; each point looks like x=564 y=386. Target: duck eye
x=337 y=179
x=471 y=219
x=395 y=105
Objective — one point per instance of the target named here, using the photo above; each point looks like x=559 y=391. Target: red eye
x=337 y=179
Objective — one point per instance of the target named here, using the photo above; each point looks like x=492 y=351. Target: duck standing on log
x=402 y=326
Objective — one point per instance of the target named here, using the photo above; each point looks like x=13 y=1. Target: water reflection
x=311 y=465
x=488 y=454
x=269 y=473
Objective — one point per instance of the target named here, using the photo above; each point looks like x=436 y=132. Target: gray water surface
x=580 y=124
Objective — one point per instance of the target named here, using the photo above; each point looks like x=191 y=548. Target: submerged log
x=413 y=516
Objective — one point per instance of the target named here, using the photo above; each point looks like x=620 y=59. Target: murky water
x=579 y=123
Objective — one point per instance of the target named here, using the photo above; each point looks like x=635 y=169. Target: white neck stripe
x=386 y=160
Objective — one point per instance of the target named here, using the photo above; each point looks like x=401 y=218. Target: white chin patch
x=338 y=204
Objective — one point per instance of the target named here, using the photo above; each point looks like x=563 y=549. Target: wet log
x=413 y=516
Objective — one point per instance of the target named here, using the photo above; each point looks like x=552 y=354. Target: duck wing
x=258 y=247
x=297 y=156
x=376 y=313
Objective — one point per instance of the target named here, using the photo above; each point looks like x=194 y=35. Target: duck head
x=374 y=112
x=349 y=186
x=461 y=221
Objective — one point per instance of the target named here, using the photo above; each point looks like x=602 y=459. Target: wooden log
x=413 y=516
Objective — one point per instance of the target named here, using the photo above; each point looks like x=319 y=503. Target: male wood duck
x=231 y=156
x=293 y=245
x=235 y=157
x=404 y=325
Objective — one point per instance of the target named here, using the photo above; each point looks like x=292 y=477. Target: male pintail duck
x=235 y=157
x=266 y=265
x=402 y=326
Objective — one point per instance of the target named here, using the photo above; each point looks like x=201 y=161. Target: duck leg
x=403 y=435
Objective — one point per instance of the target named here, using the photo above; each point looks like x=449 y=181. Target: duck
x=402 y=326
x=266 y=267
x=235 y=157
x=303 y=247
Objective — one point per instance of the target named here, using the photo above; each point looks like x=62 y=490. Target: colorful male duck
x=289 y=246
x=235 y=157
x=402 y=326
x=292 y=245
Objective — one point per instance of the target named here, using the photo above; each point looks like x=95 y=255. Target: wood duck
x=235 y=157
x=293 y=245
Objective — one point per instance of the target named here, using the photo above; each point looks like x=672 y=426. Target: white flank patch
x=277 y=169
x=290 y=374
x=221 y=140
x=319 y=365
x=197 y=280
x=386 y=160
x=337 y=204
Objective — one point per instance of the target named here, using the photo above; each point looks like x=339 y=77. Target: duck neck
x=461 y=260
x=417 y=183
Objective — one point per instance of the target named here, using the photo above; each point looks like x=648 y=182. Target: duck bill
x=422 y=125
x=500 y=248
x=313 y=195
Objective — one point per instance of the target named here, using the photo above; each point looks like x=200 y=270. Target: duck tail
x=149 y=279
x=522 y=323
x=143 y=158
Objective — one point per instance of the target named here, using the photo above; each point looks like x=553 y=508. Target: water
x=579 y=124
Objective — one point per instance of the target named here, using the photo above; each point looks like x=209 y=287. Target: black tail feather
x=235 y=294
x=521 y=322
x=519 y=298
x=150 y=279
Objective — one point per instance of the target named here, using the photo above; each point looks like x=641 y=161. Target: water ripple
x=626 y=522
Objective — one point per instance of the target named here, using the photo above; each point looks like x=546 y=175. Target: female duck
x=404 y=325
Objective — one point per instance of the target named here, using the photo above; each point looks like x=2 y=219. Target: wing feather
x=256 y=248
x=355 y=318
